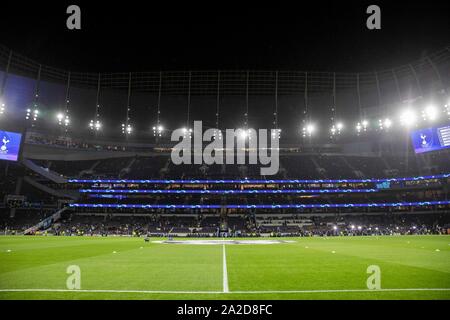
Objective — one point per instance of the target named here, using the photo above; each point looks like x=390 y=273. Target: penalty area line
x=222 y=292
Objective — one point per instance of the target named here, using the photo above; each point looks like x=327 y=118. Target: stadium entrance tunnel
x=222 y=242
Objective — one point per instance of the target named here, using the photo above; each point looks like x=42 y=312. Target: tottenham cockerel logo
x=4 y=148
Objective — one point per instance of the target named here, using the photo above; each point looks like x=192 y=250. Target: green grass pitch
x=412 y=267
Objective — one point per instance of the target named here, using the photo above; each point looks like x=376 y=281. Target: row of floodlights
x=407 y=118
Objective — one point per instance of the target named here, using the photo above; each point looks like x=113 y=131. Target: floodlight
x=336 y=128
x=308 y=130
x=408 y=118
x=35 y=114
x=384 y=124
x=158 y=129
x=362 y=126
x=275 y=133
x=430 y=113
x=187 y=131
x=333 y=130
x=217 y=134
x=95 y=125
x=127 y=129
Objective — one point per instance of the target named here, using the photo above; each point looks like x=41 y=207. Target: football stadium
x=240 y=184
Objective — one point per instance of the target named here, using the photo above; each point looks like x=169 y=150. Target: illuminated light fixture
x=334 y=227
x=384 y=124
x=61 y=119
x=365 y=124
x=447 y=109
x=387 y=123
x=276 y=133
x=2 y=108
x=33 y=115
x=158 y=130
x=95 y=125
x=308 y=130
x=430 y=113
x=408 y=118
x=245 y=134
x=217 y=134
x=249 y=134
x=333 y=130
x=336 y=129
x=359 y=227
x=362 y=126
x=352 y=227
x=380 y=124
x=187 y=132
x=127 y=129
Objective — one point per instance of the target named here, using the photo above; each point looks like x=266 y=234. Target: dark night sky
x=142 y=35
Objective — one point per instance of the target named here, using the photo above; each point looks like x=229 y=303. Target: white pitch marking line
x=342 y=291
x=111 y=291
x=225 y=272
x=221 y=292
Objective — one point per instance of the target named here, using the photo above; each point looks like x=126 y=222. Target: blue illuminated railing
x=307 y=191
x=259 y=206
x=248 y=181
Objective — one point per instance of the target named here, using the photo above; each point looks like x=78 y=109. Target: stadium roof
x=324 y=37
